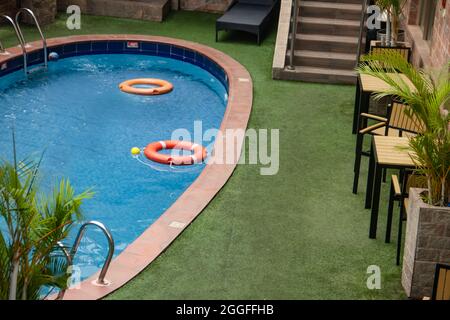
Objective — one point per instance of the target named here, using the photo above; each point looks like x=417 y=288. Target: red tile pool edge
x=153 y=241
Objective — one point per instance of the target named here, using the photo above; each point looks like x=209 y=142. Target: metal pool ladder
x=18 y=34
x=69 y=255
x=22 y=39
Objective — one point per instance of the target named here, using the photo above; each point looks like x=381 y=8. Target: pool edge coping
x=160 y=234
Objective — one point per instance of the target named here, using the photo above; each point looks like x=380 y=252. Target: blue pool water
x=87 y=126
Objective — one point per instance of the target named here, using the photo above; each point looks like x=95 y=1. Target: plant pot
x=45 y=11
x=427 y=242
x=381 y=36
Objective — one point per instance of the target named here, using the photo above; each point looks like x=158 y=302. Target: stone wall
x=190 y=5
x=45 y=11
x=7 y=7
x=151 y=10
x=427 y=242
x=205 y=5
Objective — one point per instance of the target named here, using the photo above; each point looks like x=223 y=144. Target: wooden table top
x=373 y=84
x=393 y=151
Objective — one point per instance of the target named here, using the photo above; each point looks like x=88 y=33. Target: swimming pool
x=87 y=126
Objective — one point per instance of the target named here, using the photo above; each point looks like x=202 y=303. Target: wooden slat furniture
x=403 y=48
x=387 y=153
x=398 y=123
x=365 y=87
x=399 y=192
x=441 y=288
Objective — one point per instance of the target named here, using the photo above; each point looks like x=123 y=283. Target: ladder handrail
x=107 y=233
x=21 y=43
x=69 y=261
x=36 y=22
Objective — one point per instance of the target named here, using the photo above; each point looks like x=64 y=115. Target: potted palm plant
x=393 y=10
x=428 y=222
x=33 y=225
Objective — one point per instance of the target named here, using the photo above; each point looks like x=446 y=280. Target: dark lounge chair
x=251 y=16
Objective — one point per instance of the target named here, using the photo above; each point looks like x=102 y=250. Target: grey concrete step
x=321 y=59
x=319 y=75
x=327 y=43
x=325 y=26
x=330 y=10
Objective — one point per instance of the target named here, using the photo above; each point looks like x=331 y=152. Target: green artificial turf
x=300 y=234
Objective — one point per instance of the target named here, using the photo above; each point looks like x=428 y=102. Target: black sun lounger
x=251 y=16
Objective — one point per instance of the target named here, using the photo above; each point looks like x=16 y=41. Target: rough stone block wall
x=155 y=10
x=205 y=5
x=63 y=4
x=427 y=243
x=7 y=7
x=45 y=11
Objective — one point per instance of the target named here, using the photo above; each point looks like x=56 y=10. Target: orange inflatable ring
x=162 y=86
x=151 y=152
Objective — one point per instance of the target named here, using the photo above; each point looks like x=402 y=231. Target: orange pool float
x=152 y=152
x=162 y=86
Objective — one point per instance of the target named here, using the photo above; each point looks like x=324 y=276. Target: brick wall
x=7 y=7
x=428 y=54
x=440 y=46
x=411 y=11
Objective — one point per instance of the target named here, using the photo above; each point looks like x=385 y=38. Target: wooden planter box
x=427 y=242
x=403 y=48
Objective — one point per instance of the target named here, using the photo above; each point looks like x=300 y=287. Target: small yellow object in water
x=135 y=151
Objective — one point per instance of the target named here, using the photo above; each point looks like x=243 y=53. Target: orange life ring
x=162 y=86
x=199 y=152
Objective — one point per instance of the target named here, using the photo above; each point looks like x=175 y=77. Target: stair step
x=326 y=43
x=339 y=27
x=320 y=75
x=322 y=59
x=340 y=1
x=331 y=10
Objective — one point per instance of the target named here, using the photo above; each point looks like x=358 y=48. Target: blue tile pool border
x=120 y=47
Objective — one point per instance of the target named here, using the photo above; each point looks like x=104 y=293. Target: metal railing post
x=73 y=251
x=361 y=30
x=36 y=22
x=21 y=43
x=293 y=33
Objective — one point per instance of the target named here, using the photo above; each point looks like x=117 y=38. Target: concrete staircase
x=326 y=42
x=152 y=10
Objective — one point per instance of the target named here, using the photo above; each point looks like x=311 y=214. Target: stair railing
x=294 y=17
x=365 y=5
